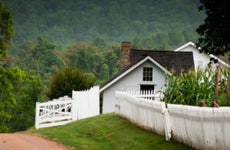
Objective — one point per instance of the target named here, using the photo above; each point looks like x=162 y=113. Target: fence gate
x=83 y=104
x=54 y=113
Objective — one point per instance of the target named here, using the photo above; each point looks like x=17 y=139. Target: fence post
x=167 y=124
x=37 y=110
x=74 y=105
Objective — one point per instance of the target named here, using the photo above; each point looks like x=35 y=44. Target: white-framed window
x=147 y=74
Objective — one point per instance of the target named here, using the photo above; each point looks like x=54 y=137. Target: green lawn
x=107 y=132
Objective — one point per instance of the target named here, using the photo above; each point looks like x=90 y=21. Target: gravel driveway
x=19 y=141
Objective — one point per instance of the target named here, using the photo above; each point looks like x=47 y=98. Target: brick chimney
x=125 y=55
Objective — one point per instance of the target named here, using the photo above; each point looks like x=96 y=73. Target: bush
x=68 y=79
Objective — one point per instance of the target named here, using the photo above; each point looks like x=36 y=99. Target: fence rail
x=53 y=113
x=143 y=112
x=63 y=110
x=147 y=94
x=199 y=127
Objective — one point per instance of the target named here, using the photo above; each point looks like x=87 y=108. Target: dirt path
x=18 y=141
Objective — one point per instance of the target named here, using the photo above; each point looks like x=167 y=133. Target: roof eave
x=185 y=45
x=132 y=68
x=210 y=55
x=219 y=60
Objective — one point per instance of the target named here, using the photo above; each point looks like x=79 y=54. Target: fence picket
x=140 y=111
x=147 y=94
x=199 y=127
x=65 y=109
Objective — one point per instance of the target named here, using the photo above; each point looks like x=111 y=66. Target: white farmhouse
x=147 y=70
x=143 y=70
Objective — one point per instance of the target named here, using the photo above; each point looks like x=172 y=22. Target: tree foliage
x=10 y=79
x=19 y=91
x=68 y=79
x=103 y=63
x=39 y=57
x=27 y=94
x=215 y=32
x=6 y=28
x=89 y=20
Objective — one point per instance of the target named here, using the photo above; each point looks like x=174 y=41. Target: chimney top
x=125 y=55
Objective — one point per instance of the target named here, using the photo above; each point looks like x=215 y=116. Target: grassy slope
x=107 y=132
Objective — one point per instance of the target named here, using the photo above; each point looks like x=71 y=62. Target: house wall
x=132 y=81
x=201 y=60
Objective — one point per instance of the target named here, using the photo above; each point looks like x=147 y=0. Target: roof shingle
x=170 y=60
x=174 y=62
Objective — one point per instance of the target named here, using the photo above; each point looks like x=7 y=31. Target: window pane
x=147 y=74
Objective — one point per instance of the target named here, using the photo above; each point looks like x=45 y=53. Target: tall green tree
x=45 y=58
x=29 y=91
x=78 y=54
x=40 y=57
x=6 y=28
x=112 y=60
x=18 y=91
x=10 y=79
x=215 y=32
x=87 y=57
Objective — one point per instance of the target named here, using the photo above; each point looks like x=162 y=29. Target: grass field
x=107 y=132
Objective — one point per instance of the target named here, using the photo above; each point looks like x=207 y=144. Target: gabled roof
x=185 y=45
x=172 y=61
x=219 y=60
x=193 y=45
x=167 y=61
x=120 y=75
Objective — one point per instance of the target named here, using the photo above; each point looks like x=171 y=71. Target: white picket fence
x=147 y=94
x=148 y=114
x=199 y=127
x=83 y=104
x=86 y=103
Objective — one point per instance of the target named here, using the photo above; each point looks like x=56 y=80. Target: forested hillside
x=153 y=24
x=85 y=34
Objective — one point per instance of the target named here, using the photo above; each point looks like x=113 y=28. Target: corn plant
x=196 y=88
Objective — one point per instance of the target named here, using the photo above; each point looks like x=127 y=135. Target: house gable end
x=196 y=52
x=123 y=74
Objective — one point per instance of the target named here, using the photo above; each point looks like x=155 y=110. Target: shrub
x=68 y=79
